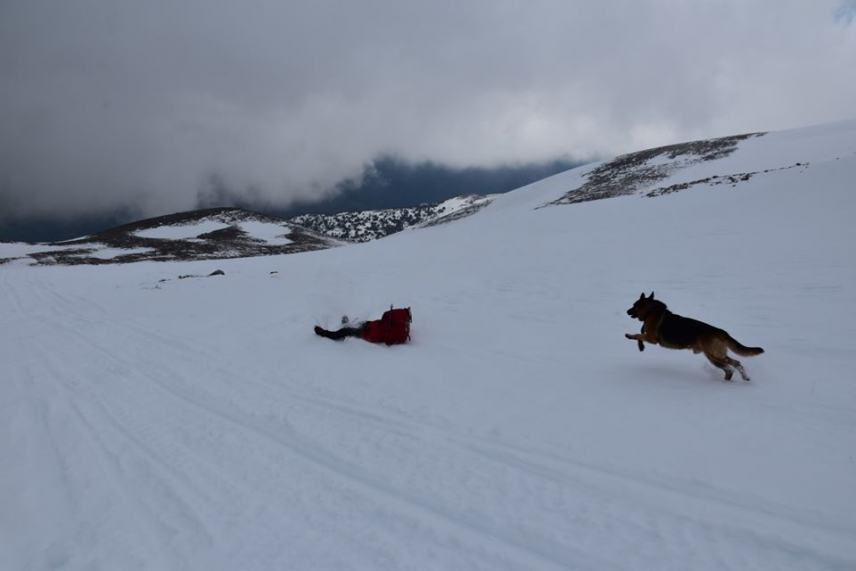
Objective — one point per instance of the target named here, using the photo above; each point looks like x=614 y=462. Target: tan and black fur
x=662 y=327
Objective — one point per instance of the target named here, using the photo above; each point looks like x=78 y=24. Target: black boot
x=324 y=333
x=340 y=334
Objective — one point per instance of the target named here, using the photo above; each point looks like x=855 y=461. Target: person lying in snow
x=392 y=328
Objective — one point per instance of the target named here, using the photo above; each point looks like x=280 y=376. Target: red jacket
x=392 y=328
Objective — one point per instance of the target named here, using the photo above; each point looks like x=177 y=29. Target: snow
x=105 y=253
x=181 y=232
x=201 y=425
x=270 y=232
x=457 y=203
x=22 y=249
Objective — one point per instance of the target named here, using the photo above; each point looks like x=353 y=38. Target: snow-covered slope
x=199 y=424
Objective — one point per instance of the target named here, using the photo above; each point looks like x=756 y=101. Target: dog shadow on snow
x=664 y=373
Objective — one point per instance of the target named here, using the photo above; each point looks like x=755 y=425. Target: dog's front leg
x=638 y=338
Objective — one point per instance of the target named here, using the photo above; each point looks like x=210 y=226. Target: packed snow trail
x=199 y=424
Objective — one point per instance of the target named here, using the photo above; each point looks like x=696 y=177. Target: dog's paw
x=641 y=345
x=630 y=336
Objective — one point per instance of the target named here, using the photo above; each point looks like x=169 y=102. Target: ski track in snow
x=124 y=449
x=282 y=436
x=158 y=438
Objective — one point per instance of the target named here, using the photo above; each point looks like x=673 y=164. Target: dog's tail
x=740 y=349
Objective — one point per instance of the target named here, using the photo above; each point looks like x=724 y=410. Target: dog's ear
x=642 y=296
x=651 y=296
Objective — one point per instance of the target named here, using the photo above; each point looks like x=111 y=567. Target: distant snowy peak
x=373 y=224
x=640 y=172
x=216 y=233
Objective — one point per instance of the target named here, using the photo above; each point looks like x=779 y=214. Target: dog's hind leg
x=736 y=364
x=722 y=364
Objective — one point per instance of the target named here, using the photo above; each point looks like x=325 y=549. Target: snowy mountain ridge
x=366 y=225
x=223 y=233
x=216 y=233
x=644 y=173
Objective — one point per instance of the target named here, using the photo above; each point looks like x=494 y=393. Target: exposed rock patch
x=629 y=173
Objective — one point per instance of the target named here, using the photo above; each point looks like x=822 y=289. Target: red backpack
x=392 y=328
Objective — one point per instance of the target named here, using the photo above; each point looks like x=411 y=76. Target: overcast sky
x=108 y=104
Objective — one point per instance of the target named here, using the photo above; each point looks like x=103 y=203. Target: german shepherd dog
x=662 y=327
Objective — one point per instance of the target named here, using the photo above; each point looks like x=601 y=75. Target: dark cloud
x=108 y=104
x=386 y=182
x=389 y=182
